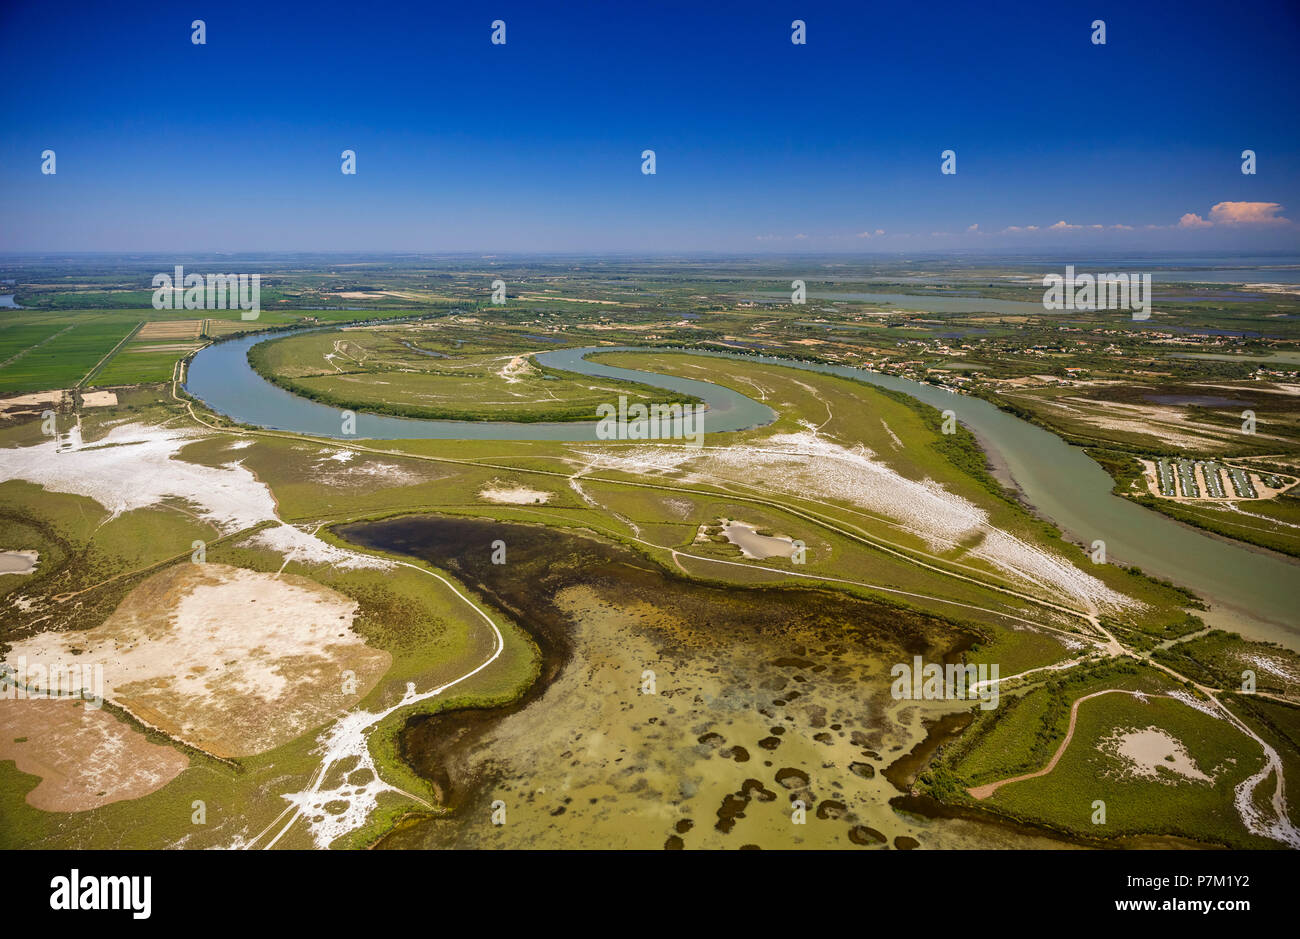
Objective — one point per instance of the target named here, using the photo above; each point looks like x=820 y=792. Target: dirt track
x=983 y=792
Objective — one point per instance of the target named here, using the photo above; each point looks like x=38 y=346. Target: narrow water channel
x=1249 y=591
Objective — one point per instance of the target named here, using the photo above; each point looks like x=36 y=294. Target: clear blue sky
x=535 y=146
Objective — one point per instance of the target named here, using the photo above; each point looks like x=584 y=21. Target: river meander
x=1249 y=591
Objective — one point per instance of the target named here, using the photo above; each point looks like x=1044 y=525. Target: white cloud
x=1192 y=220
x=1247 y=213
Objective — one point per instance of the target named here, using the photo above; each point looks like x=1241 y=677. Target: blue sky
x=761 y=145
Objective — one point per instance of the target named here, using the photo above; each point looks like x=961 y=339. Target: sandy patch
x=305 y=548
x=1273 y=288
x=231 y=661
x=519 y=495
x=752 y=545
x=542 y=296
x=349 y=468
x=898 y=444
x=135 y=466
x=21 y=401
x=517 y=369
x=1153 y=754
x=18 y=562
x=85 y=756
x=98 y=399
x=1278 y=668
x=30 y=404
x=374 y=473
x=806 y=464
x=678 y=508
x=1164 y=423
x=1197 y=704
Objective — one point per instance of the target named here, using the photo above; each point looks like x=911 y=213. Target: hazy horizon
x=1081 y=252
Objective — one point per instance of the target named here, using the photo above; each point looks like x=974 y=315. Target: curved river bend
x=1250 y=591
x=221 y=377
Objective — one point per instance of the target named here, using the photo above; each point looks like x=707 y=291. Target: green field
x=409 y=372
x=43 y=350
x=17 y=337
x=129 y=367
x=1168 y=804
x=66 y=357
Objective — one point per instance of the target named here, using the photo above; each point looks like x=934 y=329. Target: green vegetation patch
x=388 y=371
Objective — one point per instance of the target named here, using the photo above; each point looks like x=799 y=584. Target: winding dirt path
x=350 y=738
x=1277 y=828
x=983 y=792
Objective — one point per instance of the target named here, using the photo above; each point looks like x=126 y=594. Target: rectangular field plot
x=17 y=339
x=137 y=366
x=63 y=359
x=164 y=330
x=216 y=328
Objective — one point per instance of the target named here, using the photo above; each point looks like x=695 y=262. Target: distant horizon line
x=651 y=255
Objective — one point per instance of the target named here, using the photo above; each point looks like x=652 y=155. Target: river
x=1249 y=591
x=221 y=377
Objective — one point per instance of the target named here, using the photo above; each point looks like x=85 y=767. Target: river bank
x=1246 y=592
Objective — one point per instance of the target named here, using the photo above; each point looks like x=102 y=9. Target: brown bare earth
x=85 y=757
x=30 y=404
x=170 y=329
x=230 y=661
x=166 y=347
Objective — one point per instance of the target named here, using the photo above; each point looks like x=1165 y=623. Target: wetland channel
x=1248 y=591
